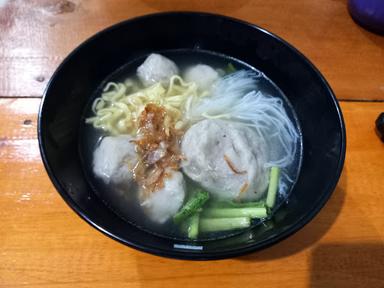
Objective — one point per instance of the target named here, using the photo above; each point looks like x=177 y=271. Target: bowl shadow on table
x=347 y=265
x=309 y=234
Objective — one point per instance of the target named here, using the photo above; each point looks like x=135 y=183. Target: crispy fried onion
x=158 y=148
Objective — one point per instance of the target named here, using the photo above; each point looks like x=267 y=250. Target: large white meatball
x=203 y=75
x=225 y=158
x=114 y=159
x=156 y=68
x=162 y=204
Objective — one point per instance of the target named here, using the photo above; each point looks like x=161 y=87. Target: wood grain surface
x=43 y=243
x=36 y=35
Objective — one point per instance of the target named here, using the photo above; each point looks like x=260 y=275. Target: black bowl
x=88 y=65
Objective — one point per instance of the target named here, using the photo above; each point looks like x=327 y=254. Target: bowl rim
x=184 y=254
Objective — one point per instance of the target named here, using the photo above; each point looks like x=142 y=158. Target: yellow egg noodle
x=120 y=104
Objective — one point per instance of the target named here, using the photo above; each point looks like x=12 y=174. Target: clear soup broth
x=126 y=197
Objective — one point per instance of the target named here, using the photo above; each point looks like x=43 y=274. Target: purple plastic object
x=368 y=13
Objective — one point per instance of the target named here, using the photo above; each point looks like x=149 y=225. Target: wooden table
x=44 y=244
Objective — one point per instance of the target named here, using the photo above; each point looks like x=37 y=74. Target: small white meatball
x=203 y=75
x=164 y=203
x=114 y=159
x=156 y=68
x=225 y=158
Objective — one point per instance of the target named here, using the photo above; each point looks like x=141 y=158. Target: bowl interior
x=85 y=68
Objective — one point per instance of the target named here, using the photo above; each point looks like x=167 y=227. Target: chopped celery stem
x=193 y=229
x=235 y=212
x=273 y=186
x=223 y=224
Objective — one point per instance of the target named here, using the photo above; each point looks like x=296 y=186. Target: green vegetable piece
x=192 y=206
x=193 y=228
x=235 y=212
x=273 y=185
x=223 y=224
x=230 y=68
x=231 y=204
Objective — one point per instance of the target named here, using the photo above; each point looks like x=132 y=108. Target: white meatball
x=114 y=159
x=226 y=159
x=164 y=203
x=156 y=68
x=203 y=75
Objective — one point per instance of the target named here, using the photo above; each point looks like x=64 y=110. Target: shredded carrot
x=244 y=187
x=232 y=167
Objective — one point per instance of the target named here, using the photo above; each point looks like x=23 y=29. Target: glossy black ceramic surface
x=83 y=70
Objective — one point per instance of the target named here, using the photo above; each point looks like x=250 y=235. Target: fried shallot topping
x=158 y=148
